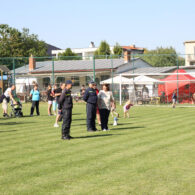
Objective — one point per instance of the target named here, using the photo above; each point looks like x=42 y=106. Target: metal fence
x=142 y=78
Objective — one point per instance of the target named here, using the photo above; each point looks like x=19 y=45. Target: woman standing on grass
x=35 y=94
x=50 y=99
x=105 y=99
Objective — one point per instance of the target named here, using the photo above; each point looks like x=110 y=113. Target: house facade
x=88 y=52
x=189 y=53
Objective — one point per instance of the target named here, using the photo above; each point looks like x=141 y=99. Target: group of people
x=99 y=104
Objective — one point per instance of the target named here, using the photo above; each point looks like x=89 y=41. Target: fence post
x=53 y=76
x=120 y=90
x=94 y=68
x=14 y=72
x=177 y=79
x=112 y=72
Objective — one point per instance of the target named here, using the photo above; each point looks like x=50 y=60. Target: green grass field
x=153 y=152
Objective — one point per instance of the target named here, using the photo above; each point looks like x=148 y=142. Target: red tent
x=184 y=82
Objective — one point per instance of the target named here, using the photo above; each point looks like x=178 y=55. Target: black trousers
x=67 y=119
x=91 y=116
x=35 y=104
x=104 y=116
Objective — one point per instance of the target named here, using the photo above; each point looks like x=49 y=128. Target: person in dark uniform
x=90 y=97
x=66 y=103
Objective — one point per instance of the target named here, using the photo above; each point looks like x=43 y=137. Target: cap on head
x=68 y=82
x=92 y=82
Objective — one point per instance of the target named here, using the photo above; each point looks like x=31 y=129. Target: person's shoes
x=56 y=125
x=65 y=138
x=31 y=115
x=5 y=115
x=91 y=130
x=104 y=130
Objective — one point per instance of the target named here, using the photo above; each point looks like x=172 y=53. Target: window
x=46 y=81
x=75 y=80
x=60 y=80
x=104 y=77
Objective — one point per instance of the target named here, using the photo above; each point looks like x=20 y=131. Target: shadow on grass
x=78 y=119
x=128 y=128
x=16 y=123
x=7 y=131
x=93 y=136
x=121 y=124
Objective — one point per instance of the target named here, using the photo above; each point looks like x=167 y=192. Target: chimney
x=127 y=56
x=32 y=63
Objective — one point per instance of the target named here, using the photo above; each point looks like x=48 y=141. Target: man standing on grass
x=57 y=94
x=66 y=103
x=90 y=97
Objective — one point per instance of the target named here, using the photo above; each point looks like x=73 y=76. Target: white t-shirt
x=104 y=99
x=6 y=93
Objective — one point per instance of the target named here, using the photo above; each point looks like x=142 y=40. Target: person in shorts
x=5 y=98
x=57 y=94
x=54 y=104
x=49 y=99
x=174 y=99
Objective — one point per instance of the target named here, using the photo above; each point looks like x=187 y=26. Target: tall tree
x=15 y=43
x=160 y=57
x=69 y=55
x=117 y=50
x=103 y=50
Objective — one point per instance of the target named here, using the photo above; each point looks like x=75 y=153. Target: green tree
x=117 y=50
x=14 y=43
x=69 y=55
x=103 y=50
x=160 y=57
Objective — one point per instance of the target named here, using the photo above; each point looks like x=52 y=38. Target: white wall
x=190 y=52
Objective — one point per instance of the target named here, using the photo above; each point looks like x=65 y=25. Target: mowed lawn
x=153 y=152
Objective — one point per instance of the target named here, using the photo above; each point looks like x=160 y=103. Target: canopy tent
x=116 y=80
x=23 y=82
x=139 y=80
x=180 y=80
x=144 y=80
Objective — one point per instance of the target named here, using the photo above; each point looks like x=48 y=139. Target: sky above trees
x=75 y=23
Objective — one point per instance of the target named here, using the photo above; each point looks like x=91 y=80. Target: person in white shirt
x=105 y=99
x=5 y=98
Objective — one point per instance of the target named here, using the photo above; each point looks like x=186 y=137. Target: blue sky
x=74 y=23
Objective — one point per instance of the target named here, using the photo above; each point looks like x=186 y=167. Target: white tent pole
x=120 y=90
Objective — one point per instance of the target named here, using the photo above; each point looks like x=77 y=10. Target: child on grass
x=126 y=108
x=113 y=109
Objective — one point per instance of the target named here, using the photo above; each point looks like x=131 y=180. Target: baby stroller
x=16 y=108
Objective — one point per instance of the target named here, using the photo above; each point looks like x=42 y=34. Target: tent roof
x=117 y=80
x=4 y=68
x=180 y=77
x=144 y=80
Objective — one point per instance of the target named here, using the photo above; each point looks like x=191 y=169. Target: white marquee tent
x=139 y=80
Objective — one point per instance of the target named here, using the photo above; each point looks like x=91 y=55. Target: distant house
x=189 y=53
x=50 y=48
x=79 y=71
x=89 y=51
